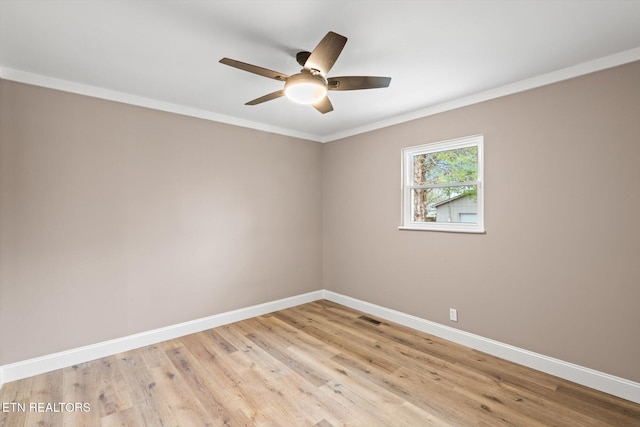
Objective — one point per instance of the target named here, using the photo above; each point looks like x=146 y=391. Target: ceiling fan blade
x=326 y=53
x=357 y=82
x=324 y=105
x=267 y=97
x=254 y=69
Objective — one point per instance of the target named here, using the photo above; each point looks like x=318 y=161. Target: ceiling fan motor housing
x=301 y=57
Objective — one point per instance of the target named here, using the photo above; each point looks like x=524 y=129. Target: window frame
x=408 y=154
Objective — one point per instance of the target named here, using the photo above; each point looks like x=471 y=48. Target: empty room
x=319 y=213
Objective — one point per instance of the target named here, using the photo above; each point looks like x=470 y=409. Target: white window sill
x=443 y=230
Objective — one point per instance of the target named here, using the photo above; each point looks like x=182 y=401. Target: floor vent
x=370 y=320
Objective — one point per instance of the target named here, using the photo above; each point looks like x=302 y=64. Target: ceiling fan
x=311 y=84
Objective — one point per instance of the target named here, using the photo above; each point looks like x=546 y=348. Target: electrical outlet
x=453 y=314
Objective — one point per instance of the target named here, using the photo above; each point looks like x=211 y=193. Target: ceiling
x=440 y=54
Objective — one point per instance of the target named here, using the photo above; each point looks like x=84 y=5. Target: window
x=442 y=186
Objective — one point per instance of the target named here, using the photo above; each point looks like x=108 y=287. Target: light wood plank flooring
x=318 y=364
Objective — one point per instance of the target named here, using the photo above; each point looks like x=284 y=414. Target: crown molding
x=592 y=66
x=599 y=64
x=140 y=101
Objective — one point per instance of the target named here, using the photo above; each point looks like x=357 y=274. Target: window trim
x=407 y=185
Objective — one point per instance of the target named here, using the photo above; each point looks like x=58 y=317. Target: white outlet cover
x=453 y=314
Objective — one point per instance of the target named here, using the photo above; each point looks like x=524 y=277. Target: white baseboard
x=616 y=386
x=601 y=381
x=51 y=362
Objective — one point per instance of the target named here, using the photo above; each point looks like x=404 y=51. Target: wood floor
x=318 y=364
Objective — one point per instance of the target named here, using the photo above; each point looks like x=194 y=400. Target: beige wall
x=554 y=273
x=117 y=219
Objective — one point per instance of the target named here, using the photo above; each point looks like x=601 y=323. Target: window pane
x=447 y=204
x=446 y=167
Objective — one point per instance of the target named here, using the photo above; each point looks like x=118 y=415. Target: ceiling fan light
x=305 y=88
